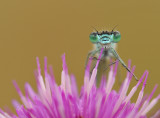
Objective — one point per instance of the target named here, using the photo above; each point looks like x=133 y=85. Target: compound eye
x=93 y=37
x=116 y=37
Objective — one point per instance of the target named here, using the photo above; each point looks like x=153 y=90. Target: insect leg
x=95 y=58
x=110 y=65
x=121 y=61
x=90 y=54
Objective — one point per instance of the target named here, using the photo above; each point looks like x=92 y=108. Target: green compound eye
x=93 y=37
x=116 y=37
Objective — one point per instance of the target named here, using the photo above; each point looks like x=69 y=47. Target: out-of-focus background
x=38 y=28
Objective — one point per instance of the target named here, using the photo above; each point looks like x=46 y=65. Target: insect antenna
x=95 y=29
x=114 y=28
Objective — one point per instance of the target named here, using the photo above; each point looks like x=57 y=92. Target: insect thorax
x=106 y=53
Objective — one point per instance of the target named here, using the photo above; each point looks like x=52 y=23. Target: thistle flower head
x=63 y=101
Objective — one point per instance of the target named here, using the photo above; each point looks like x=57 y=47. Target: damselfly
x=106 y=40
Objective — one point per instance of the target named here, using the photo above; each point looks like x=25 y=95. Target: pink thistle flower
x=53 y=101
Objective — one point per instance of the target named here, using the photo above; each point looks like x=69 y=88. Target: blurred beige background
x=31 y=28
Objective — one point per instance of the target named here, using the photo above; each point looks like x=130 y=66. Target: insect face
x=105 y=37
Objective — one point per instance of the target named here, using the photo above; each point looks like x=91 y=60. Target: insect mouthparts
x=105 y=37
x=105 y=40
